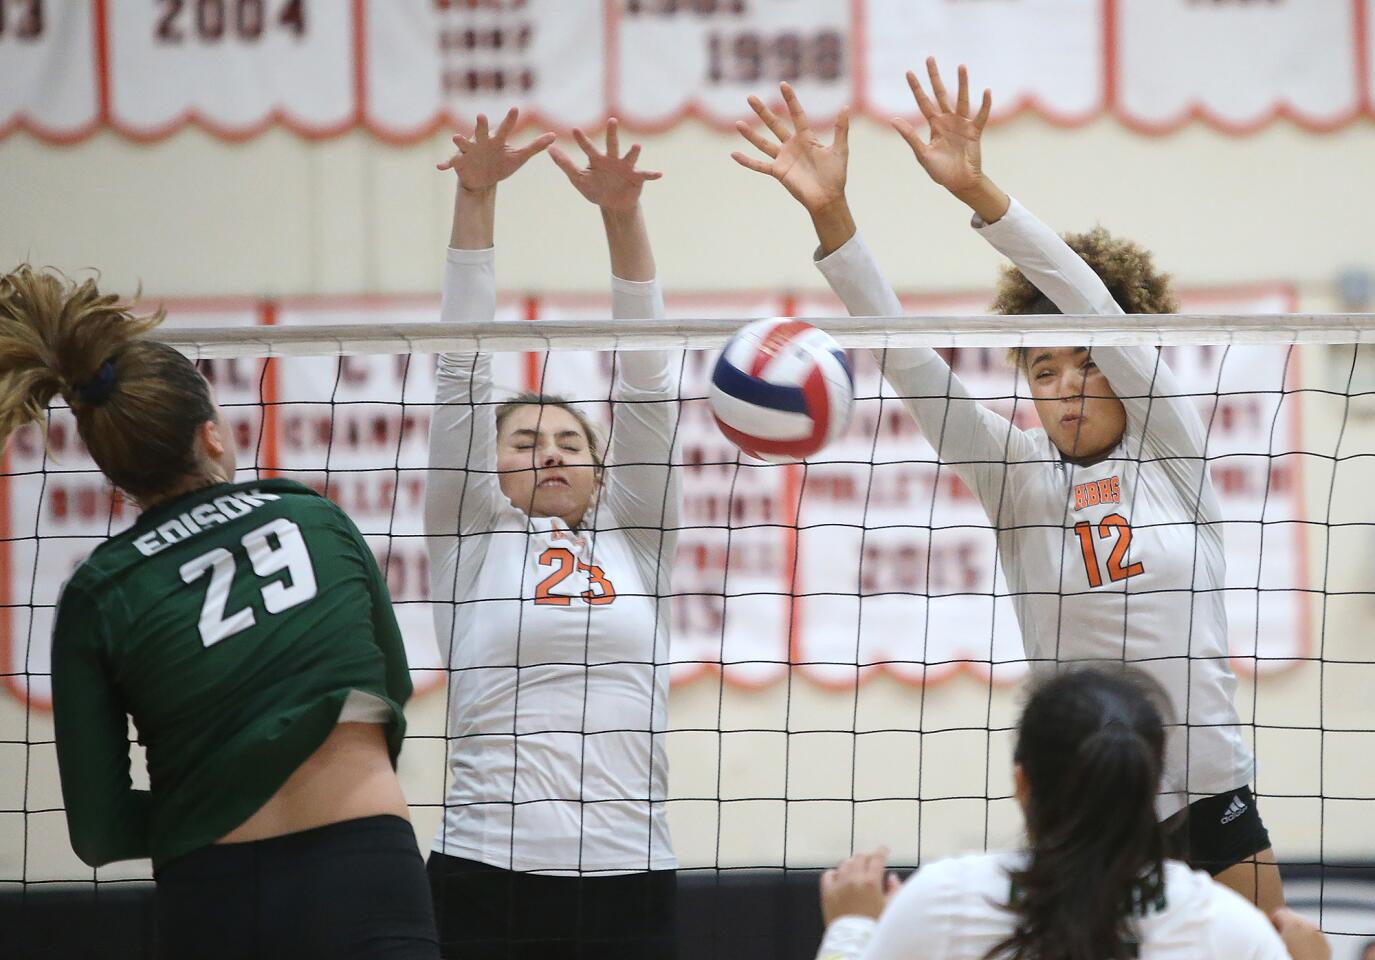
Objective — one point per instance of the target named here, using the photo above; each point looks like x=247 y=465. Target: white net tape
x=702 y=334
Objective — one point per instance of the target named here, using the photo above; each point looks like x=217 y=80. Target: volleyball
x=781 y=390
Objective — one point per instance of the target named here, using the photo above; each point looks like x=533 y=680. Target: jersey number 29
x=289 y=554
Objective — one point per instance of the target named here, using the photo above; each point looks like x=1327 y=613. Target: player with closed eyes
x=551 y=571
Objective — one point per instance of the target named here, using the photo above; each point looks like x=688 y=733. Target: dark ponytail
x=1090 y=745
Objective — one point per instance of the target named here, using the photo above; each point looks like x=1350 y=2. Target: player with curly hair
x=1109 y=530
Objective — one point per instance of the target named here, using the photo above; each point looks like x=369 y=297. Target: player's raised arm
x=952 y=156
x=969 y=436
x=462 y=492
x=640 y=486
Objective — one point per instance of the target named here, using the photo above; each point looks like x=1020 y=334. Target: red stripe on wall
x=859 y=65
x=268 y=446
x=1361 y=27
x=101 y=39
x=360 y=61
x=611 y=57
x=1109 y=56
x=534 y=361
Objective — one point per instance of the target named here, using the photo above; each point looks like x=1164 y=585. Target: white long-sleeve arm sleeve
x=974 y=440
x=1162 y=413
x=640 y=486
x=462 y=493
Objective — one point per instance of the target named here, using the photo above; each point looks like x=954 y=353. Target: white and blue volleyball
x=782 y=390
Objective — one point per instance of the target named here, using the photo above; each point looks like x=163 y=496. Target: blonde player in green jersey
x=247 y=631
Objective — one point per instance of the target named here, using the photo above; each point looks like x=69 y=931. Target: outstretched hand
x=811 y=171
x=861 y=886
x=609 y=180
x=486 y=159
x=953 y=156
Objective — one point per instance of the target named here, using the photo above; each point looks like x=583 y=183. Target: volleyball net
x=845 y=660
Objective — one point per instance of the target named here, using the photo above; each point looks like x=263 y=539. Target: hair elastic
x=97 y=390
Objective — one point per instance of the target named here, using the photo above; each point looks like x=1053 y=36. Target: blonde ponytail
x=137 y=402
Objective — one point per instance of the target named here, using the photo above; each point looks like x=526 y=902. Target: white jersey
x=956 y=909
x=557 y=640
x=1121 y=560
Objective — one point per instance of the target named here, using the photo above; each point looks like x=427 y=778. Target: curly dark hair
x=1125 y=267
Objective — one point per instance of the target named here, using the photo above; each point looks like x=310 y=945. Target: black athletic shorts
x=346 y=891
x=486 y=913
x=1217 y=832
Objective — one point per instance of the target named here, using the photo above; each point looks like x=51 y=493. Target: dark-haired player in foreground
x=1093 y=883
x=247 y=631
x=1109 y=530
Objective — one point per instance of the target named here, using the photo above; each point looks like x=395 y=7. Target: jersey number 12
x=289 y=554
x=1112 y=523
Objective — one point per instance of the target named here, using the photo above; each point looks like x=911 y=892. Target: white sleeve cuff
x=457 y=256
x=1007 y=223
x=846 y=938
x=850 y=253
x=636 y=299
x=634 y=286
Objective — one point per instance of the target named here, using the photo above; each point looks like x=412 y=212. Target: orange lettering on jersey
x=600 y=592
x=1094 y=492
x=557 y=534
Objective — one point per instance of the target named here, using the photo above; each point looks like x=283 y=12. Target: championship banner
x=49 y=83
x=870 y=558
x=1045 y=56
x=232 y=66
x=1266 y=60
x=403 y=69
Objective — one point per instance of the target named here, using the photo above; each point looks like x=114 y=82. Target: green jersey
x=232 y=624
